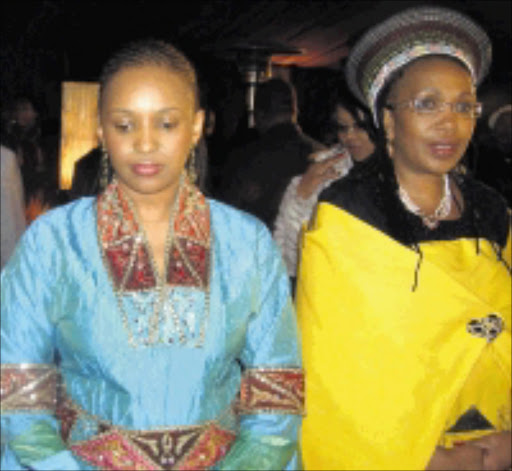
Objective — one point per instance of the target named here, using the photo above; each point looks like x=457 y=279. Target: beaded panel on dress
x=174 y=313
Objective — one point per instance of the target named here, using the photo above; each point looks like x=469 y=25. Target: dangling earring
x=104 y=169
x=390 y=148
x=191 y=166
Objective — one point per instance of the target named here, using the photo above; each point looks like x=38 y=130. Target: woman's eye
x=465 y=107
x=123 y=127
x=426 y=104
x=169 y=124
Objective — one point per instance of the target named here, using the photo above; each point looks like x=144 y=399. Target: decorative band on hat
x=404 y=58
x=414 y=33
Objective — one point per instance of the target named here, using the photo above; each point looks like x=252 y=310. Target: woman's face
x=148 y=123
x=429 y=143
x=353 y=137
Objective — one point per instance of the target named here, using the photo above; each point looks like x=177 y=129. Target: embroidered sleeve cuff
x=272 y=390
x=27 y=387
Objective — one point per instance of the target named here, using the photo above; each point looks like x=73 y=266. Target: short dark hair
x=275 y=96
x=150 y=52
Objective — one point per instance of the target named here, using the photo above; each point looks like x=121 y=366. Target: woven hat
x=413 y=33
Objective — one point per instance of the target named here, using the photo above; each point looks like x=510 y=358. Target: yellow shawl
x=389 y=370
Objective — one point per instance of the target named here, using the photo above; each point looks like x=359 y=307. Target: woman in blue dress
x=148 y=328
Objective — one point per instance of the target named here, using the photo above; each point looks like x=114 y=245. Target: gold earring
x=104 y=169
x=191 y=166
x=390 y=148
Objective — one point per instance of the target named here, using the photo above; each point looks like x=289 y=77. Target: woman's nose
x=449 y=119
x=146 y=140
x=350 y=134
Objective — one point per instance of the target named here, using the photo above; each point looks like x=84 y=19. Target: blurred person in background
x=12 y=211
x=23 y=136
x=494 y=151
x=258 y=173
x=352 y=125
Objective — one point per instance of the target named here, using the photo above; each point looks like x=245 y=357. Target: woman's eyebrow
x=126 y=110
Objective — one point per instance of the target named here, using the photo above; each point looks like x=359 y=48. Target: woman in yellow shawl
x=404 y=293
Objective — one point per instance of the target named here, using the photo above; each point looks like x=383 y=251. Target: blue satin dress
x=92 y=379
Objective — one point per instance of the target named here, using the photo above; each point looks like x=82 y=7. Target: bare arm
x=463 y=457
x=497 y=450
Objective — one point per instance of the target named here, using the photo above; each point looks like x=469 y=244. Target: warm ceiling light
x=79 y=123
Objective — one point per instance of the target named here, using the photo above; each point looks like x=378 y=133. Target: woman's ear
x=198 y=126
x=99 y=134
x=389 y=125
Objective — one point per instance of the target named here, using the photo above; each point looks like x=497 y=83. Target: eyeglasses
x=432 y=105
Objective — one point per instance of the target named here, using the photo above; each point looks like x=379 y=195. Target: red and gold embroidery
x=274 y=390
x=175 y=309
x=168 y=447
x=113 y=451
x=212 y=446
x=28 y=387
x=131 y=269
x=184 y=448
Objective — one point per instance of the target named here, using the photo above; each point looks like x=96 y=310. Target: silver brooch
x=488 y=327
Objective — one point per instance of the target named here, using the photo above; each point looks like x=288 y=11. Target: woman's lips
x=146 y=169
x=444 y=149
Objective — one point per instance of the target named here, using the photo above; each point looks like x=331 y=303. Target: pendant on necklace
x=442 y=211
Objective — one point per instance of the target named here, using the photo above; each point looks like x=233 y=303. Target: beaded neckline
x=155 y=309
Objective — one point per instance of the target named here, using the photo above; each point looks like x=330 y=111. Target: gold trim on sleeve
x=272 y=390
x=27 y=387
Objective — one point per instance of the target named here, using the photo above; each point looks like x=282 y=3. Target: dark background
x=46 y=42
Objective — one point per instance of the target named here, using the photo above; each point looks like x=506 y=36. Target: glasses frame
x=476 y=113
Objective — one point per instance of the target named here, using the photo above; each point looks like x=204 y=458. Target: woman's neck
x=425 y=190
x=152 y=208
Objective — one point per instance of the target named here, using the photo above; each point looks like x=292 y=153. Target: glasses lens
x=464 y=107
x=431 y=104
x=426 y=104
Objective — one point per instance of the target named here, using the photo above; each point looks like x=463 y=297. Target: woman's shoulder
x=237 y=228
x=356 y=194
x=488 y=207
x=343 y=192
x=54 y=235
x=224 y=213
x=75 y=216
x=77 y=208
x=483 y=194
x=356 y=187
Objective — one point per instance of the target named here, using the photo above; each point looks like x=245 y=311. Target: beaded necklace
x=442 y=210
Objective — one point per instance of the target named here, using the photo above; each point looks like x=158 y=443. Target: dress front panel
x=57 y=296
